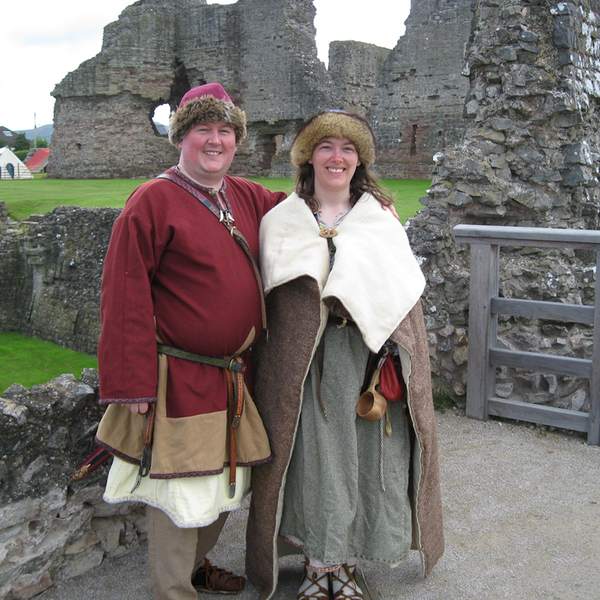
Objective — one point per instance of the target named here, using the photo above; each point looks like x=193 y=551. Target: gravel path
x=522 y=521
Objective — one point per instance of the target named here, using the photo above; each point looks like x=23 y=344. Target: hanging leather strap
x=235 y=388
x=147 y=438
x=236 y=404
x=234 y=370
x=226 y=218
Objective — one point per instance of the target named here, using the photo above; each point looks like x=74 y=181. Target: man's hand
x=141 y=408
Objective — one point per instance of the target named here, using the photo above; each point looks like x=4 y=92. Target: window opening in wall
x=269 y=149
x=160 y=119
x=270 y=144
x=413 y=139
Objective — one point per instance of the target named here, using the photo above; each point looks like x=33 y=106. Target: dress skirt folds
x=346 y=492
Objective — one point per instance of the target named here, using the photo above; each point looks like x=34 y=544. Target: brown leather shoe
x=343 y=582
x=214 y=580
x=314 y=586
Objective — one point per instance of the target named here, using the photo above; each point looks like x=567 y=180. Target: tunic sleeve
x=127 y=356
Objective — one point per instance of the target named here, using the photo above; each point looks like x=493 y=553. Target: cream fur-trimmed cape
x=372 y=246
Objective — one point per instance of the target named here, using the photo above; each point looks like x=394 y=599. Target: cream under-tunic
x=188 y=501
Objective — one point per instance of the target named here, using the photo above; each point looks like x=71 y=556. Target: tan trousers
x=175 y=553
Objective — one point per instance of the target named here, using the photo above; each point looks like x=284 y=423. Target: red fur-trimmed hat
x=206 y=103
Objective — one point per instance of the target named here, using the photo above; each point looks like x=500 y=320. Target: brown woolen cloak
x=278 y=394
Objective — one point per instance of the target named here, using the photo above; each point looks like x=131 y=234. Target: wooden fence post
x=484 y=285
x=594 y=432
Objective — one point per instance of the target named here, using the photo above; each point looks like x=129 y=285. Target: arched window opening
x=160 y=119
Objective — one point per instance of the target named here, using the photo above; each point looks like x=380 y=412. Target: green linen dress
x=346 y=491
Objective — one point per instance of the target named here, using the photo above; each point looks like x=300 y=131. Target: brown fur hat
x=207 y=103
x=334 y=123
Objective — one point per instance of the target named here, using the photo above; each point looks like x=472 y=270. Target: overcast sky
x=42 y=41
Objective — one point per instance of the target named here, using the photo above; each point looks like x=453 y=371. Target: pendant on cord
x=328 y=232
x=227 y=217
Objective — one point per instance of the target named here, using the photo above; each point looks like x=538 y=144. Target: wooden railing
x=485 y=305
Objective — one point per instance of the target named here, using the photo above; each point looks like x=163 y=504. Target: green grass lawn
x=31 y=362
x=24 y=197
x=38 y=196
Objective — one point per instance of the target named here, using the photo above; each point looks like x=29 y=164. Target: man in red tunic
x=181 y=296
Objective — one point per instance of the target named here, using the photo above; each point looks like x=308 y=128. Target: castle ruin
x=527 y=156
x=264 y=53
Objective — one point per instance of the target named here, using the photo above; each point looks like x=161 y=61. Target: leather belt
x=234 y=369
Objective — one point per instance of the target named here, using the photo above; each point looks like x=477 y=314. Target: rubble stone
x=542 y=174
x=52 y=528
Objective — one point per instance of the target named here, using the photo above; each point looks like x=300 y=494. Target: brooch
x=328 y=232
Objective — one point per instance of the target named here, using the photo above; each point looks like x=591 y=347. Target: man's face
x=207 y=151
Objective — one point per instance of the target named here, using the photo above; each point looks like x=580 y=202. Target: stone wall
x=51 y=528
x=51 y=271
x=417 y=106
x=529 y=158
x=264 y=53
x=12 y=268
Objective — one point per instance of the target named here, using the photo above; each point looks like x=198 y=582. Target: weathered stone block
x=578 y=154
x=81 y=563
x=25 y=590
x=19 y=512
x=460 y=355
x=83 y=543
x=578 y=399
x=108 y=533
x=576 y=175
x=504 y=390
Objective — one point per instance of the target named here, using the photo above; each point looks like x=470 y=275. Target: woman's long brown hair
x=362 y=181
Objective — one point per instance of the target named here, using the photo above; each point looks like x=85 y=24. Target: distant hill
x=43 y=131
x=46 y=131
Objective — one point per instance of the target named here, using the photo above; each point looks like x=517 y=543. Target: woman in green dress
x=342 y=286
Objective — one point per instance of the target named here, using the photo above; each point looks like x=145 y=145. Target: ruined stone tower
x=418 y=103
x=264 y=53
x=529 y=158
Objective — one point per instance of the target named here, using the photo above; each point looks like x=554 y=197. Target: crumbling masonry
x=527 y=156
x=264 y=53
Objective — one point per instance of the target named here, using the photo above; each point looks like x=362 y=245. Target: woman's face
x=334 y=161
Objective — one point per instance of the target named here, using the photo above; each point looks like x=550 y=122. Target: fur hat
x=334 y=123
x=206 y=103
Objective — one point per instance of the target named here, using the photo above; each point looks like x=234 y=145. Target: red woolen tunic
x=171 y=260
